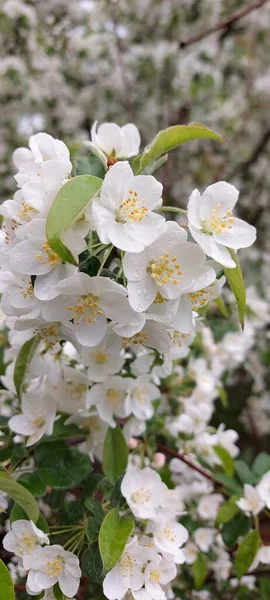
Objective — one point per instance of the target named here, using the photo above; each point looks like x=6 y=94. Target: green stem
x=106 y=256
x=124 y=277
x=173 y=209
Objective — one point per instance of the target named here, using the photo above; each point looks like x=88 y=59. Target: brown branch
x=188 y=462
x=238 y=14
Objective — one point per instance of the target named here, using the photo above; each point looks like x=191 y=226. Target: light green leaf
x=223 y=309
x=113 y=536
x=237 y=285
x=261 y=464
x=171 y=138
x=115 y=453
x=6 y=587
x=228 y=510
x=20 y=495
x=226 y=459
x=199 y=571
x=246 y=552
x=23 y=360
x=67 y=208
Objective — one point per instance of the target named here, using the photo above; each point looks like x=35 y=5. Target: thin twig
x=238 y=14
x=188 y=462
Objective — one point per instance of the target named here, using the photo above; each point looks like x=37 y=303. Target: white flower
x=89 y=301
x=212 y=225
x=208 y=506
x=191 y=553
x=127 y=573
x=144 y=492
x=123 y=213
x=264 y=555
x=43 y=149
x=18 y=298
x=153 y=334
x=264 y=488
x=204 y=537
x=24 y=540
x=169 y=266
x=197 y=297
x=226 y=438
x=3 y=502
x=140 y=394
x=109 y=398
x=37 y=418
x=105 y=359
x=252 y=501
x=51 y=565
x=70 y=388
x=157 y=573
x=169 y=536
x=110 y=140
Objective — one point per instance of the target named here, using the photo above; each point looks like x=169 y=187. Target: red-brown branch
x=238 y=14
x=188 y=462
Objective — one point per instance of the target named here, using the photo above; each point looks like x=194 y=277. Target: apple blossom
x=110 y=141
x=25 y=540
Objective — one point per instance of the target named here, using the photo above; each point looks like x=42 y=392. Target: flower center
x=114 y=397
x=155 y=575
x=37 y=421
x=177 y=338
x=127 y=564
x=27 y=292
x=48 y=256
x=100 y=356
x=26 y=545
x=141 y=496
x=85 y=310
x=54 y=568
x=200 y=298
x=27 y=211
x=218 y=223
x=131 y=210
x=138 y=338
x=165 y=269
x=140 y=395
x=159 y=299
x=169 y=534
x=76 y=390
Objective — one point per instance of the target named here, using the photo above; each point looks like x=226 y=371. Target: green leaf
x=237 y=285
x=58 y=595
x=171 y=138
x=264 y=585
x=18 y=513
x=156 y=164
x=115 y=453
x=6 y=587
x=92 y=529
x=23 y=360
x=199 y=571
x=62 y=431
x=244 y=472
x=61 y=467
x=89 y=264
x=89 y=165
x=227 y=510
x=20 y=495
x=226 y=459
x=18 y=453
x=261 y=464
x=230 y=483
x=95 y=508
x=223 y=309
x=113 y=536
x=67 y=208
x=92 y=564
x=246 y=552
x=33 y=484
x=231 y=531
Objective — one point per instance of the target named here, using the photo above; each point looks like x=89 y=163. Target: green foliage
x=227 y=510
x=237 y=285
x=89 y=165
x=95 y=508
x=18 y=513
x=171 y=138
x=23 y=360
x=199 y=569
x=261 y=464
x=67 y=208
x=6 y=587
x=20 y=495
x=33 y=484
x=61 y=467
x=57 y=592
x=246 y=552
x=89 y=264
x=92 y=565
x=244 y=472
x=226 y=459
x=238 y=526
x=264 y=585
x=92 y=529
x=115 y=453
x=113 y=536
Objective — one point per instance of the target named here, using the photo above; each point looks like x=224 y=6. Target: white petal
x=109 y=138
x=135 y=265
x=241 y=235
x=131 y=140
x=193 y=209
x=220 y=193
x=148 y=230
x=141 y=294
x=120 y=238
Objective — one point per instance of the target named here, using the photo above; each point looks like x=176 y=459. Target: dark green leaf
x=20 y=495
x=238 y=526
x=18 y=513
x=89 y=165
x=199 y=571
x=261 y=464
x=89 y=264
x=6 y=587
x=92 y=564
x=113 y=536
x=264 y=585
x=237 y=285
x=171 y=138
x=116 y=496
x=115 y=453
x=244 y=472
x=246 y=552
x=67 y=208
x=95 y=508
x=57 y=592
x=60 y=467
x=23 y=360
x=62 y=431
x=226 y=459
x=18 y=454
x=230 y=482
x=33 y=484
x=92 y=529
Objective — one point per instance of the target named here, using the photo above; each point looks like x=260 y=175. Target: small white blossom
x=144 y=492
x=37 y=418
x=204 y=537
x=264 y=489
x=51 y=565
x=127 y=573
x=25 y=541
x=252 y=502
x=110 y=140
